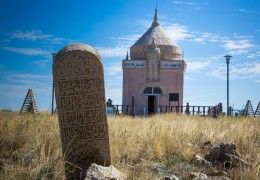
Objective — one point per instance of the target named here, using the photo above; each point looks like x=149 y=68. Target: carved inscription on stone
x=81 y=101
x=80 y=98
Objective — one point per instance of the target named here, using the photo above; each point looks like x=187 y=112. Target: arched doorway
x=153 y=94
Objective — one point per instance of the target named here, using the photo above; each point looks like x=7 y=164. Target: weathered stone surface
x=225 y=154
x=137 y=165
x=202 y=176
x=215 y=152
x=80 y=98
x=218 y=173
x=1 y=165
x=201 y=161
x=198 y=175
x=157 y=167
x=170 y=177
x=97 y=172
x=218 y=178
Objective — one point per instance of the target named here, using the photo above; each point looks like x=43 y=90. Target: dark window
x=174 y=97
x=148 y=90
x=157 y=90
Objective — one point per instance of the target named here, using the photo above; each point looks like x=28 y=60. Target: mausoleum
x=153 y=75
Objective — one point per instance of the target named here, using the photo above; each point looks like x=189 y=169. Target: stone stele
x=80 y=97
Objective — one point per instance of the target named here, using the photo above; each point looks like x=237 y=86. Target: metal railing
x=190 y=110
x=123 y=109
x=193 y=110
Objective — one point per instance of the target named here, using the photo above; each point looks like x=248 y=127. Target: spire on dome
x=156 y=19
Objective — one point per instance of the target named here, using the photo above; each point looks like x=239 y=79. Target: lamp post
x=52 y=102
x=228 y=61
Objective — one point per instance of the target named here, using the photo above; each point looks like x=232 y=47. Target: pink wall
x=134 y=81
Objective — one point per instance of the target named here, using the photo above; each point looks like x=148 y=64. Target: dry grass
x=30 y=145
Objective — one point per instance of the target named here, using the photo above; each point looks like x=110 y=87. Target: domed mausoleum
x=153 y=76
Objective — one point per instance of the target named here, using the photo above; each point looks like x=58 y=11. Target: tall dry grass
x=165 y=144
x=30 y=146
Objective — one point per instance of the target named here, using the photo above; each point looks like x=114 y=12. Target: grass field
x=165 y=144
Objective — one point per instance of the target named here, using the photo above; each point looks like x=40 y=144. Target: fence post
x=117 y=111
x=214 y=112
x=133 y=106
x=230 y=110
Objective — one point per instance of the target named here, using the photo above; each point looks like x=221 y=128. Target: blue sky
x=205 y=30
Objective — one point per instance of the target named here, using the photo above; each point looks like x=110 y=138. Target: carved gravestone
x=80 y=98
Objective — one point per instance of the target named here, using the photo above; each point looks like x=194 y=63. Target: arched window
x=148 y=90
x=152 y=90
x=157 y=90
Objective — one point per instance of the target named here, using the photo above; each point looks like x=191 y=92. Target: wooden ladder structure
x=29 y=104
x=248 y=111
x=257 y=111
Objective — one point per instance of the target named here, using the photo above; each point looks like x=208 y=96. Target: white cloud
x=145 y=23
x=112 y=51
x=237 y=71
x=26 y=51
x=238 y=44
x=41 y=63
x=115 y=94
x=200 y=40
x=188 y=78
x=238 y=51
x=254 y=55
x=236 y=47
x=200 y=63
x=238 y=36
x=14 y=86
x=121 y=47
x=183 y=2
x=189 y=3
x=248 y=11
x=197 y=8
x=176 y=31
x=24 y=78
x=29 y=35
x=127 y=40
x=114 y=69
x=197 y=66
x=218 y=72
x=58 y=40
x=255 y=69
x=35 y=35
x=205 y=37
x=113 y=80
